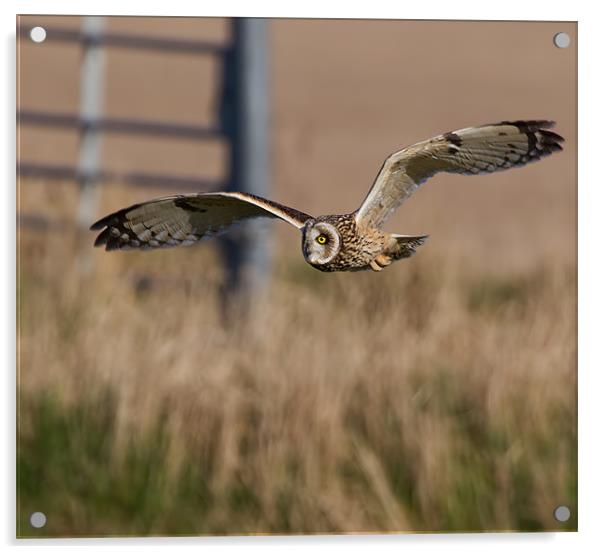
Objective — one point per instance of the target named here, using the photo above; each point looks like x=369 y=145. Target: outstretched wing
x=469 y=151
x=185 y=219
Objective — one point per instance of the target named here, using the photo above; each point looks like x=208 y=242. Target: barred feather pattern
x=470 y=151
x=185 y=219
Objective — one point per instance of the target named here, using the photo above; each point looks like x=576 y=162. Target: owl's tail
x=404 y=246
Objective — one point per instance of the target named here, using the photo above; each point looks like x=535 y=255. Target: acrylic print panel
x=234 y=388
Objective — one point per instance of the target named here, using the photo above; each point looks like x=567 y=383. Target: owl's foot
x=375 y=266
x=381 y=261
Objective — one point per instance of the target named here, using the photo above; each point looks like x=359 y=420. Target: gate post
x=91 y=108
x=244 y=115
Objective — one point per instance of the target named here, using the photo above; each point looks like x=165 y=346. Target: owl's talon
x=383 y=260
x=375 y=267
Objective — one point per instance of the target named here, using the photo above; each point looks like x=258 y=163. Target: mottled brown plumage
x=349 y=242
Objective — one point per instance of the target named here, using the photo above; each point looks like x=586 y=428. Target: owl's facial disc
x=321 y=243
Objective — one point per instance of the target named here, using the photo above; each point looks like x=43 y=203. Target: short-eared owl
x=348 y=242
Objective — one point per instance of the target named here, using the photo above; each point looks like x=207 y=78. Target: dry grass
x=431 y=397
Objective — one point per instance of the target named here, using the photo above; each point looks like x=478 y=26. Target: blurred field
x=431 y=397
x=439 y=395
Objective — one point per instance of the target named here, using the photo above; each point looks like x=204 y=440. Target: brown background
x=437 y=395
x=343 y=95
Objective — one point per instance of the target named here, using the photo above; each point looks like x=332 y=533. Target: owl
x=347 y=242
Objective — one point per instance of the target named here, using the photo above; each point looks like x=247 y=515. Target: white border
x=590 y=274
x=435 y=9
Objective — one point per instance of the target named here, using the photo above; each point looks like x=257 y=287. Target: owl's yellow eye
x=321 y=239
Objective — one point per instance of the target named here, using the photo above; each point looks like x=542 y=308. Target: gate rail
x=242 y=121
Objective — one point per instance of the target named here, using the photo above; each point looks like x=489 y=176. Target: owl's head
x=321 y=242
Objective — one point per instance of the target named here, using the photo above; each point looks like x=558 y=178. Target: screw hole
x=37 y=520
x=38 y=34
x=562 y=514
x=562 y=40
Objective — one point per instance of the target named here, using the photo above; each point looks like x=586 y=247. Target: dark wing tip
x=124 y=239
x=102 y=238
x=530 y=124
x=551 y=137
x=542 y=141
x=99 y=224
x=547 y=142
x=108 y=225
x=104 y=225
x=540 y=126
x=109 y=222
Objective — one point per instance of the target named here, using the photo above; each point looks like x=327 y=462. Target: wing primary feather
x=469 y=151
x=185 y=219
